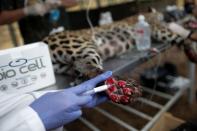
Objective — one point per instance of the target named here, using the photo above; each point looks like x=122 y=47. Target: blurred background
x=133 y=6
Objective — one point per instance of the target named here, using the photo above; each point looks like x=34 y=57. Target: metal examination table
x=121 y=65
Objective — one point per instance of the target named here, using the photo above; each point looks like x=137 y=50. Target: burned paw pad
x=123 y=92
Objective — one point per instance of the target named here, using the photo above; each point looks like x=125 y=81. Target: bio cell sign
x=26 y=68
x=21 y=66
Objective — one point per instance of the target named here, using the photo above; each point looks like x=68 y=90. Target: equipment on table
x=142 y=34
x=164 y=78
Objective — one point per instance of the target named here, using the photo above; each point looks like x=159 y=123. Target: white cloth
x=16 y=115
x=178 y=29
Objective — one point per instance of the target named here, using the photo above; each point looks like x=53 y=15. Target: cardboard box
x=167 y=122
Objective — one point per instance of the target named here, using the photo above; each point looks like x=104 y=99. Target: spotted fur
x=77 y=53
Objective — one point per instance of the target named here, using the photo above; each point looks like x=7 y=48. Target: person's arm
x=40 y=9
x=16 y=115
x=43 y=110
x=176 y=28
x=7 y=17
x=180 y=30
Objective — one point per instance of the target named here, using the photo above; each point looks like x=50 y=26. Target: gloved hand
x=45 y=7
x=59 y=108
x=97 y=98
x=179 y=30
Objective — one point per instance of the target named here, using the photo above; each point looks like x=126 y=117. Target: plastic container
x=105 y=18
x=142 y=34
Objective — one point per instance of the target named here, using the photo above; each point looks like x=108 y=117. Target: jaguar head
x=89 y=67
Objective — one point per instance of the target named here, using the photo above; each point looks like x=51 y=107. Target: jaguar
x=81 y=53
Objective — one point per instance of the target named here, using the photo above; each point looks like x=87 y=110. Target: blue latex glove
x=97 y=98
x=59 y=108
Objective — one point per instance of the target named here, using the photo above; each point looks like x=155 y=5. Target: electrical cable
x=156 y=71
x=89 y=20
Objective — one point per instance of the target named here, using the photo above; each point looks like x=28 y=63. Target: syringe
x=96 y=90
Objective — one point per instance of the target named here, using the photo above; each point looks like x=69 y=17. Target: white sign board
x=26 y=68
